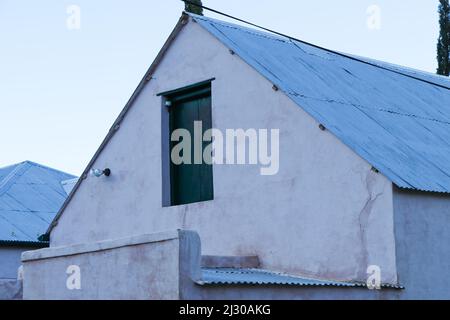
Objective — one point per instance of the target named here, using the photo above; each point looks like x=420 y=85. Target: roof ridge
x=21 y=168
x=253 y=31
x=35 y=164
x=9 y=180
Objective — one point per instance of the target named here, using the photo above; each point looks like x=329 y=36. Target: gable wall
x=324 y=214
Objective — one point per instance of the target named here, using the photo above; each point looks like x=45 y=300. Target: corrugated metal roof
x=30 y=197
x=390 y=115
x=233 y=276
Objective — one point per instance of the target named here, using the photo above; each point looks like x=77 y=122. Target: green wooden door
x=191 y=182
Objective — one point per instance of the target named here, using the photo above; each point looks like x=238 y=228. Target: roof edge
x=33 y=244
x=35 y=164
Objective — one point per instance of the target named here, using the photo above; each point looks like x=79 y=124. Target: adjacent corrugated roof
x=234 y=276
x=391 y=116
x=30 y=197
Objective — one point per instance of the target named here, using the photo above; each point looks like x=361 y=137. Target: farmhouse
x=30 y=197
x=363 y=180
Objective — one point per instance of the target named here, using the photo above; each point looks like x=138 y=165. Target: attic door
x=190 y=182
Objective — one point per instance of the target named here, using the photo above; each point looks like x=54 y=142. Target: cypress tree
x=443 y=47
x=193 y=8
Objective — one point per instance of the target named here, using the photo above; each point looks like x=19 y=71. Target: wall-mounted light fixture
x=98 y=172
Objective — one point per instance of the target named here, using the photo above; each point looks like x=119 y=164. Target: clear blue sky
x=61 y=89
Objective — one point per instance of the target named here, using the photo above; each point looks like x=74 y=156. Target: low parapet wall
x=141 y=267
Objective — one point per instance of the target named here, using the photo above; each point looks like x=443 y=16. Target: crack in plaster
x=364 y=215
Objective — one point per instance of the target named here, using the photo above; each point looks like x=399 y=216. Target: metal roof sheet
x=251 y=276
x=262 y=277
x=396 y=118
x=30 y=197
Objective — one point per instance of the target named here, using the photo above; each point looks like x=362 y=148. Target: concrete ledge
x=230 y=261
x=53 y=252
